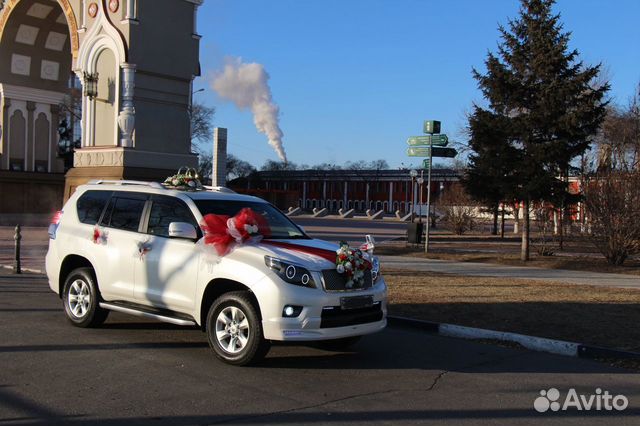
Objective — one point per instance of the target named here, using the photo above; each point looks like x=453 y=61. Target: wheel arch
x=216 y=288
x=71 y=262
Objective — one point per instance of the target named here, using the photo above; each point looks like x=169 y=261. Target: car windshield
x=281 y=226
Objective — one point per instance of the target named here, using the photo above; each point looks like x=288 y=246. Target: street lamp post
x=413 y=173
x=420 y=183
x=191 y=112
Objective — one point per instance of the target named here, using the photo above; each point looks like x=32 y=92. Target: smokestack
x=247 y=86
x=219 y=166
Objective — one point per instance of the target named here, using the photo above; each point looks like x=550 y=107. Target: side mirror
x=182 y=230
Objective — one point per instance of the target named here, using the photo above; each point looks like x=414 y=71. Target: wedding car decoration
x=352 y=263
x=222 y=232
x=185 y=179
x=99 y=235
x=143 y=247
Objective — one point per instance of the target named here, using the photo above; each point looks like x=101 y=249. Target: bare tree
x=543 y=214
x=459 y=210
x=619 y=140
x=237 y=168
x=271 y=165
x=613 y=204
x=201 y=124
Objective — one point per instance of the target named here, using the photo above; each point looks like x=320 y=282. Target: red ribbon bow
x=222 y=231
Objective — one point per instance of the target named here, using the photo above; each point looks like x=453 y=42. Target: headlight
x=375 y=269
x=289 y=272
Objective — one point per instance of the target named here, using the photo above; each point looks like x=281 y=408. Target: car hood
x=290 y=254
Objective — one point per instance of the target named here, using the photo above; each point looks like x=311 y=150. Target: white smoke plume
x=246 y=85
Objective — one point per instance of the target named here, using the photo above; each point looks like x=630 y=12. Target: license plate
x=356 y=302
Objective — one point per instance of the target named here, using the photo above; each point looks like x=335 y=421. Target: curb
x=538 y=344
x=30 y=270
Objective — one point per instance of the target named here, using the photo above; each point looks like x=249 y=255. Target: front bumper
x=311 y=324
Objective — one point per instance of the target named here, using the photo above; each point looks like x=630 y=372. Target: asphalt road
x=133 y=371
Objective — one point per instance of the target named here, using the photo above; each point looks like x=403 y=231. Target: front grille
x=334 y=281
x=334 y=316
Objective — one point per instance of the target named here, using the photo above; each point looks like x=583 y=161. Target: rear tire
x=234 y=329
x=81 y=299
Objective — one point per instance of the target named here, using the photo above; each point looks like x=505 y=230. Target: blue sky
x=355 y=78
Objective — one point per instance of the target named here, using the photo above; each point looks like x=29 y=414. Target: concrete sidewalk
x=493 y=270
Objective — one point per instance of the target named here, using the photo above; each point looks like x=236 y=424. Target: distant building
x=388 y=190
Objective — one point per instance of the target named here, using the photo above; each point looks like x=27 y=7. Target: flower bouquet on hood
x=353 y=263
x=185 y=179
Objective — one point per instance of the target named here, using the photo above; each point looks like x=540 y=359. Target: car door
x=166 y=269
x=118 y=233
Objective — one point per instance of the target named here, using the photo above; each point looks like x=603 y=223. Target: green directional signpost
x=433 y=144
x=435 y=140
x=425 y=151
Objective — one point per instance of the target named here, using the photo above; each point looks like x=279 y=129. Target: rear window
x=90 y=206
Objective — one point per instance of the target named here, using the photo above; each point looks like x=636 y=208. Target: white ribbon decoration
x=233 y=231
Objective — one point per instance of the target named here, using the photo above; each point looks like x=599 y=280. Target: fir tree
x=488 y=177
x=546 y=97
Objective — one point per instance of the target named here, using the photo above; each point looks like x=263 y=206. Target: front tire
x=81 y=299
x=234 y=330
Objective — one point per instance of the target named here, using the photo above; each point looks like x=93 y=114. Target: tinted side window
x=165 y=210
x=124 y=213
x=90 y=206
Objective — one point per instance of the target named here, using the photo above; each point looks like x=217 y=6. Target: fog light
x=290 y=311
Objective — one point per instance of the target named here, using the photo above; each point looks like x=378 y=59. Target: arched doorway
x=38 y=88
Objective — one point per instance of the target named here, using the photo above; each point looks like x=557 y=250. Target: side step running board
x=131 y=311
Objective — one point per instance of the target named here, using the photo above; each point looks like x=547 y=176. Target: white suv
x=138 y=248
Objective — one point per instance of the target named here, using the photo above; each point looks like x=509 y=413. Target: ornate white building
x=135 y=61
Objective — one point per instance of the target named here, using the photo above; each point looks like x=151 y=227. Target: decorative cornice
x=130 y=157
x=21 y=93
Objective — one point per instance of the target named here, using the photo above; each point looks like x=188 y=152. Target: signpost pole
x=420 y=183
x=426 y=238
x=424 y=146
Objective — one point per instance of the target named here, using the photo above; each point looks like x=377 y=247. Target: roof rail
x=155 y=185
x=219 y=189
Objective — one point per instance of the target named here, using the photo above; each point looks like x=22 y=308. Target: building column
x=344 y=198
x=83 y=16
x=29 y=147
x=127 y=116
x=324 y=193
x=219 y=161
x=131 y=17
x=366 y=197
x=4 y=146
x=304 y=195
x=390 y=206
x=53 y=139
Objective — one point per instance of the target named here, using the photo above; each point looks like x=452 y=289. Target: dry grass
x=599 y=316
